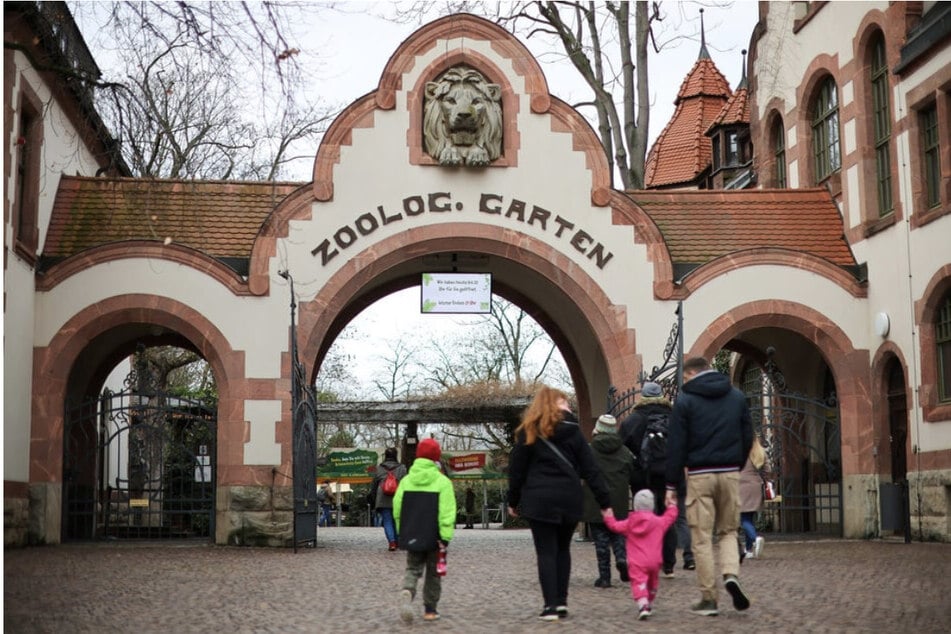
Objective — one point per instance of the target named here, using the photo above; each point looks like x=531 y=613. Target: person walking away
x=470 y=507
x=647 y=429
x=751 y=499
x=327 y=501
x=616 y=464
x=424 y=509
x=546 y=465
x=711 y=434
x=381 y=500
x=643 y=531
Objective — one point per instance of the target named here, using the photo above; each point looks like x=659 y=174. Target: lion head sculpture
x=462 y=118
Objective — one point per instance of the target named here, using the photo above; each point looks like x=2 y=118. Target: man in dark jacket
x=711 y=433
x=617 y=466
x=653 y=476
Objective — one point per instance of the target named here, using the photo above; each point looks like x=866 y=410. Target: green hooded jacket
x=424 y=507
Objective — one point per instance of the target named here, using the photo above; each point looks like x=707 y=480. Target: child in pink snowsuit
x=645 y=536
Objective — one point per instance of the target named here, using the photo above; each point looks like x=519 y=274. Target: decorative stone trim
x=926 y=311
x=849 y=366
x=776 y=256
x=320 y=319
x=138 y=249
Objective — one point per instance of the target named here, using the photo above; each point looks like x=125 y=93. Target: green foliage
x=721 y=361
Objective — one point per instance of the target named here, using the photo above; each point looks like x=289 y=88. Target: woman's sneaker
x=643 y=612
x=758 y=546
x=548 y=614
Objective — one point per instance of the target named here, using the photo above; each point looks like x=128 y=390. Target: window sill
x=26 y=253
x=877 y=226
x=937 y=413
x=924 y=217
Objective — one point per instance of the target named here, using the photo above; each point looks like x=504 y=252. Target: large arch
x=591 y=333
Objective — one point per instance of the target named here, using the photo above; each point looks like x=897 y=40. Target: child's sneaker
x=406 y=606
x=431 y=615
x=644 y=612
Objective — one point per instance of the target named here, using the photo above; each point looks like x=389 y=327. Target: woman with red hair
x=546 y=465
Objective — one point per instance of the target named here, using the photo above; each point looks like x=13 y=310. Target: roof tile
x=682 y=151
x=218 y=218
x=701 y=225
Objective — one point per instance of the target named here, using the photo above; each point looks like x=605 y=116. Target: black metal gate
x=669 y=374
x=304 y=439
x=803 y=448
x=139 y=464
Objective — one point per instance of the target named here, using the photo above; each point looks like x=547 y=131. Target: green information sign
x=348 y=464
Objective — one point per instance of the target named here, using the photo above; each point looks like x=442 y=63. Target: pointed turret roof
x=736 y=111
x=682 y=152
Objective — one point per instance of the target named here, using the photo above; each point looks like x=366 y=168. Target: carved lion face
x=463 y=118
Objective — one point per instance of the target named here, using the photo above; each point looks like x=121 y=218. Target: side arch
x=849 y=365
x=54 y=364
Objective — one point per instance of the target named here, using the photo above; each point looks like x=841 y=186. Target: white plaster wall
x=771 y=282
x=61 y=152
x=264 y=417
x=374 y=170
x=902 y=262
x=784 y=56
x=256 y=325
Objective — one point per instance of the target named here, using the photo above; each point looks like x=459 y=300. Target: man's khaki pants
x=713 y=508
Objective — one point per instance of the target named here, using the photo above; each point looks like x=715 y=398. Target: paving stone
x=350 y=583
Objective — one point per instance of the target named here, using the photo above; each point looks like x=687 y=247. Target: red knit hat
x=429 y=448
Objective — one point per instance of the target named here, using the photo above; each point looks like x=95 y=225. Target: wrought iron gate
x=139 y=464
x=668 y=374
x=304 y=418
x=803 y=452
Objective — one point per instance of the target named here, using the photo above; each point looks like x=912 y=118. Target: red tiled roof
x=736 y=111
x=682 y=151
x=218 y=218
x=703 y=80
x=701 y=225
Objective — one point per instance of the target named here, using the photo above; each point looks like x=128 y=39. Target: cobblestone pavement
x=349 y=583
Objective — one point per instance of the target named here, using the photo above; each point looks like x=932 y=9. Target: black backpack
x=653 y=455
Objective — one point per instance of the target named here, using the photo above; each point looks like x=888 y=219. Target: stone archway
x=591 y=333
x=849 y=369
x=77 y=360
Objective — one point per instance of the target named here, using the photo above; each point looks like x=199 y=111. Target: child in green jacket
x=424 y=509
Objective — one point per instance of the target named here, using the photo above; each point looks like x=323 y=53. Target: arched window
x=942 y=339
x=825 y=130
x=779 y=155
x=882 y=118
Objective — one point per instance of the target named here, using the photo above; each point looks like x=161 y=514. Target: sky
x=351 y=66
x=345 y=48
